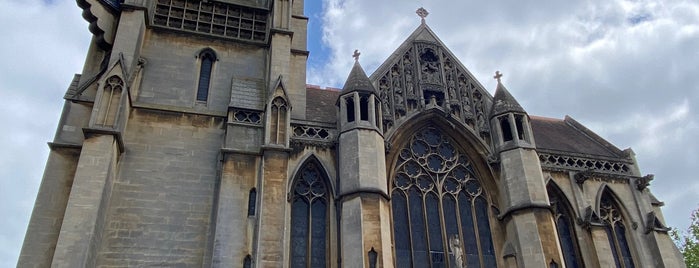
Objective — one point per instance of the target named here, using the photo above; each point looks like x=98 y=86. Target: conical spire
x=503 y=102
x=357 y=79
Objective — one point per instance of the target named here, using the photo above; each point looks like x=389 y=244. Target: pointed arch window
x=110 y=100
x=615 y=227
x=564 y=219
x=309 y=218
x=440 y=210
x=207 y=59
x=278 y=121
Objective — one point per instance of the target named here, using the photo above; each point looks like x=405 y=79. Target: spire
x=503 y=101
x=357 y=79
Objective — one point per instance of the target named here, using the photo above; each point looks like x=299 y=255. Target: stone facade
x=191 y=140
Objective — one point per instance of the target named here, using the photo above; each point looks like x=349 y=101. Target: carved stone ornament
x=425 y=76
x=582 y=176
x=643 y=182
x=589 y=219
x=654 y=224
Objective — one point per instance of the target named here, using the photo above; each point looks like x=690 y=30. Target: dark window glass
x=418 y=235
x=616 y=232
x=563 y=216
x=299 y=233
x=309 y=218
x=623 y=245
x=448 y=218
x=401 y=231
x=252 y=198
x=207 y=63
x=484 y=232
x=247 y=262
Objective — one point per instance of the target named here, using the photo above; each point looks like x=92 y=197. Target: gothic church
x=191 y=139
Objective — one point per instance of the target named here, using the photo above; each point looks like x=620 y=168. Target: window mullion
x=476 y=232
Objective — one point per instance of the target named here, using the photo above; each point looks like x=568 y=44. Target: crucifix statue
x=356 y=55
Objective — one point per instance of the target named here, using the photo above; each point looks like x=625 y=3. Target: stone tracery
x=426 y=76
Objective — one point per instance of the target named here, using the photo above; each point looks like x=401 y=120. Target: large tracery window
x=440 y=210
x=309 y=218
x=616 y=231
x=564 y=218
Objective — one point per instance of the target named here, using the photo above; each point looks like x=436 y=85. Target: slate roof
x=568 y=135
x=320 y=104
x=550 y=134
x=358 y=81
x=503 y=102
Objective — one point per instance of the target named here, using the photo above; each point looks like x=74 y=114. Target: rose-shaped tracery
x=440 y=210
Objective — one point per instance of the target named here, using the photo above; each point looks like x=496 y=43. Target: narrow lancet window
x=252 y=199
x=349 y=103
x=506 y=129
x=207 y=59
x=364 y=108
x=519 y=123
x=278 y=121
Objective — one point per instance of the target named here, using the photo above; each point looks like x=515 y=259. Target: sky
x=628 y=70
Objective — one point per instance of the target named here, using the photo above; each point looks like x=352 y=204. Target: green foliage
x=688 y=241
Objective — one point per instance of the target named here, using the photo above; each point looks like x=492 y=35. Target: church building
x=191 y=139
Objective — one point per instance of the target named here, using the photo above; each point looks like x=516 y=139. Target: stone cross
x=422 y=13
x=356 y=55
x=497 y=76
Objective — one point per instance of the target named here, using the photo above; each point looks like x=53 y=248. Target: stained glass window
x=207 y=62
x=615 y=228
x=563 y=217
x=440 y=211
x=309 y=218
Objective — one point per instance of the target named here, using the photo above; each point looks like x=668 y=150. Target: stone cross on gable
x=356 y=55
x=422 y=13
x=497 y=76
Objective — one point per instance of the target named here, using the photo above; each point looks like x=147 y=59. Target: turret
x=509 y=122
x=525 y=203
x=359 y=104
x=363 y=190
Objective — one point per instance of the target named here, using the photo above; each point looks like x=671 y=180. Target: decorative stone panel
x=212 y=18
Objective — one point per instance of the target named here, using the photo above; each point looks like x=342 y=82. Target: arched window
x=564 y=219
x=440 y=211
x=309 y=218
x=615 y=227
x=247 y=262
x=252 y=199
x=109 y=104
x=278 y=121
x=207 y=59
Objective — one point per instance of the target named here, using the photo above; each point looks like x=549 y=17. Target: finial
x=422 y=13
x=497 y=76
x=356 y=55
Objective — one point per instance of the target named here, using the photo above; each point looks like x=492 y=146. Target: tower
x=531 y=240
x=362 y=166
